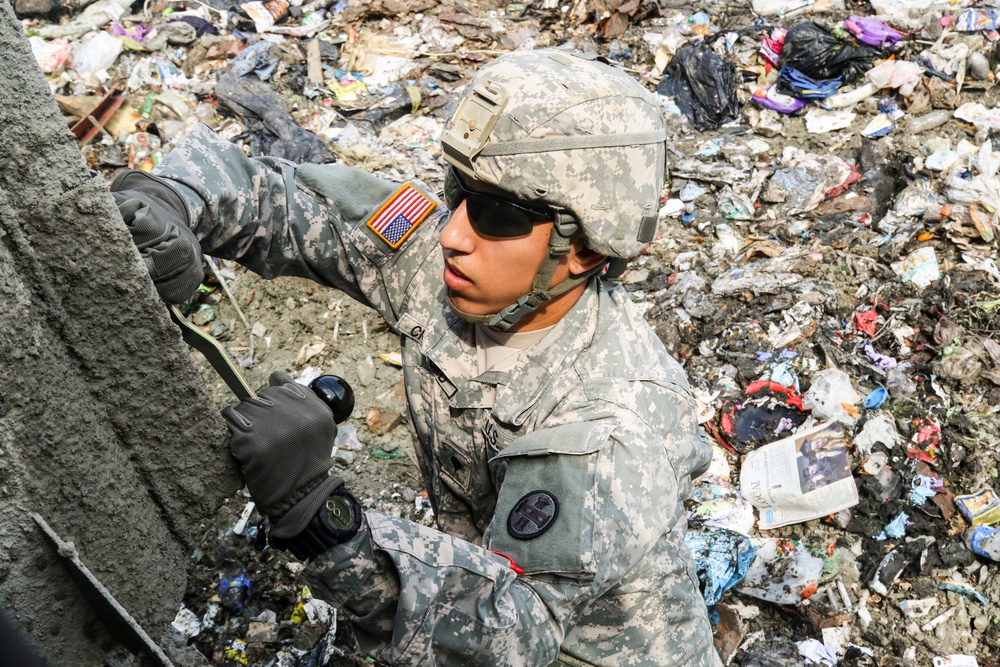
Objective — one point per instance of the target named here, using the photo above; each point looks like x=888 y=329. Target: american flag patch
x=399 y=216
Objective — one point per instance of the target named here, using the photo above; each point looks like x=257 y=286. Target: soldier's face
x=485 y=274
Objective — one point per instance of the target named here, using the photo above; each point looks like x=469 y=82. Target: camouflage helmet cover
x=572 y=132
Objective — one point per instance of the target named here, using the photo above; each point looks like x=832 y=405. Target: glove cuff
x=137 y=183
x=321 y=533
x=293 y=521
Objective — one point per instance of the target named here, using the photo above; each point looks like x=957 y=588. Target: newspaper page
x=802 y=477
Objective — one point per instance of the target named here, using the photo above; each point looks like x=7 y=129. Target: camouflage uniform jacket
x=598 y=418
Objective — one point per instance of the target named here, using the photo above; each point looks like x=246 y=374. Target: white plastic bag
x=782 y=572
x=832 y=397
x=96 y=53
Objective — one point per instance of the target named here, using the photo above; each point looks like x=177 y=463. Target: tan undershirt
x=499 y=351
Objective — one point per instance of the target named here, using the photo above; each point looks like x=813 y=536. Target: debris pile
x=825 y=268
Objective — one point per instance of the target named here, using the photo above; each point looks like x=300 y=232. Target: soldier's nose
x=457 y=234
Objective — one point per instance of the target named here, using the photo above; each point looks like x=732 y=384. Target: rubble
x=827 y=252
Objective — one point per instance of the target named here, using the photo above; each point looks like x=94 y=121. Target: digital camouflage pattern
x=574 y=133
x=597 y=415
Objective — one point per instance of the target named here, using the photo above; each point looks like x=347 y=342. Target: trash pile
x=826 y=270
x=827 y=273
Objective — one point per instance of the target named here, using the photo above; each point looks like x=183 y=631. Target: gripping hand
x=283 y=440
x=158 y=221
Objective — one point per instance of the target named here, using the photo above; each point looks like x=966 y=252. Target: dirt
x=296 y=314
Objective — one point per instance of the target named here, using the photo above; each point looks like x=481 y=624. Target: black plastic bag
x=817 y=53
x=704 y=86
x=271 y=128
x=395 y=101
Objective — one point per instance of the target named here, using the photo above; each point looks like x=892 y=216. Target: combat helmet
x=574 y=133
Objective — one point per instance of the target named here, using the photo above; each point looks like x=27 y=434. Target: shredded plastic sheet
x=882 y=361
x=921 y=488
x=899 y=74
x=186 y=622
x=917 y=608
x=799 y=570
x=974 y=20
x=963 y=590
x=866 y=321
x=796 y=84
x=832 y=396
x=784 y=376
x=888 y=571
x=722 y=558
x=716 y=502
x=920 y=267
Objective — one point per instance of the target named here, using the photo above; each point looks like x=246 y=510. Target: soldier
x=555 y=435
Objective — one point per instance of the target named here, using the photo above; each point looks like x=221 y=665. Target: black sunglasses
x=490 y=215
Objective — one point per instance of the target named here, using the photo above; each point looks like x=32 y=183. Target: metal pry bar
x=113 y=615
x=215 y=354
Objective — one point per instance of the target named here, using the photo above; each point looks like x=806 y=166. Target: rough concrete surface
x=105 y=428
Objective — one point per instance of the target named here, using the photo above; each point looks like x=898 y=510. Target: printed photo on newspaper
x=802 y=477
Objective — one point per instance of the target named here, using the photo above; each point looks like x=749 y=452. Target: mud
x=105 y=429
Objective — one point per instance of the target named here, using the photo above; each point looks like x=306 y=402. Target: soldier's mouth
x=455 y=279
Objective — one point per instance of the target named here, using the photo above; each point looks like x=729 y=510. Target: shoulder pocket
x=579 y=438
x=549 y=498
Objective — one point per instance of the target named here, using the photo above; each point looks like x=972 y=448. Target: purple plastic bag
x=872 y=31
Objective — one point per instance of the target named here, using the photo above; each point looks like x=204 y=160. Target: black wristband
x=338 y=520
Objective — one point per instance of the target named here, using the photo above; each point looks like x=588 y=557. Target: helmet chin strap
x=560 y=244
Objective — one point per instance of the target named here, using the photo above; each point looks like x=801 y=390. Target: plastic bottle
x=984 y=541
x=147 y=107
x=850 y=98
x=899 y=382
x=928 y=121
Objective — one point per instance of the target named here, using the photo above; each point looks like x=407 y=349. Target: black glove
x=283 y=440
x=158 y=220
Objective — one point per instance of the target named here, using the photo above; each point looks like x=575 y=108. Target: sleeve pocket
x=549 y=499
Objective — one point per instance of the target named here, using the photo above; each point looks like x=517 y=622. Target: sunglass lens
x=489 y=215
x=453 y=191
x=494 y=217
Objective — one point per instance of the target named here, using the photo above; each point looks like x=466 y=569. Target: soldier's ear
x=581 y=258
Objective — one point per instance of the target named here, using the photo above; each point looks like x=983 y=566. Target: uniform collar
x=454 y=360
x=534 y=374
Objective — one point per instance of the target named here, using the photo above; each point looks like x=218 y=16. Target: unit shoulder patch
x=396 y=219
x=532 y=515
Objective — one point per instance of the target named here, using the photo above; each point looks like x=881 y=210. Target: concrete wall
x=105 y=429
